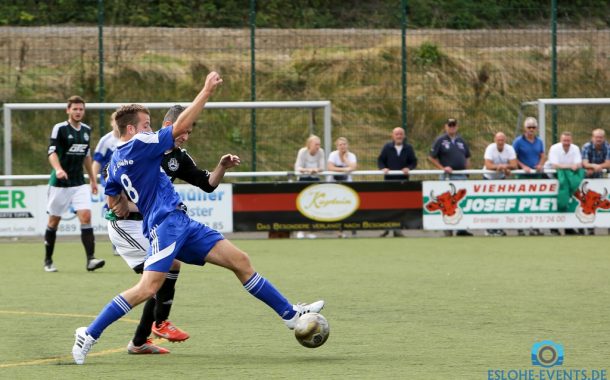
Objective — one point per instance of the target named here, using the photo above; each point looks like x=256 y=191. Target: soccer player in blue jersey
x=172 y=234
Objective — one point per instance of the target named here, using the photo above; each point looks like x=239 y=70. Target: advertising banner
x=20 y=209
x=307 y=206
x=456 y=205
x=23 y=210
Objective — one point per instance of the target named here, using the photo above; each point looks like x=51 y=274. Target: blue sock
x=262 y=289
x=115 y=309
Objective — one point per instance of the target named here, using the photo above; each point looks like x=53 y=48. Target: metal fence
x=480 y=77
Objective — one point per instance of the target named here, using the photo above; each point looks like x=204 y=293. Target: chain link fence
x=480 y=77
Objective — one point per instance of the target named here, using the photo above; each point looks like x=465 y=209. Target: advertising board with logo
x=20 y=208
x=452 y=205
x=306 y=206
x=23 y=210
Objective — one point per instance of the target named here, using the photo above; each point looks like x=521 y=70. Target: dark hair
x=75 y=99
x=128 y=115
x=173 y=113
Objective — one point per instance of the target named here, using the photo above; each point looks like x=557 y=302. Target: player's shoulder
x=85 y=126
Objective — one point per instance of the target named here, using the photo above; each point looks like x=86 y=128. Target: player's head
x=451 y=126
x=132 y=119
x=313 y=144
x=170 y=118
x=75 y=109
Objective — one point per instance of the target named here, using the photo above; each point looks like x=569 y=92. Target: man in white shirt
x=564 y=155
x=500 y=157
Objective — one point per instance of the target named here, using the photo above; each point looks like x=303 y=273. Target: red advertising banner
x=312 y=206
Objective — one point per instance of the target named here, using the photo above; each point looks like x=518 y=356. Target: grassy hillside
x=480 y=77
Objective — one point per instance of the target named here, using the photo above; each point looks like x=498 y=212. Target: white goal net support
x=9 y=108
x=543 y=105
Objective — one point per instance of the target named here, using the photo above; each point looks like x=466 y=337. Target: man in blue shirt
x=530 y=157
x=172 y=234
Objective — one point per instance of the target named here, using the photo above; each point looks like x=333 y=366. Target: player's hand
x=405 y=171
x=93 y=187
x=61 y=174
x=212 y=81
x=229 y=161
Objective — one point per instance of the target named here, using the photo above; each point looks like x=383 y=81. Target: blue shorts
x=179 y=237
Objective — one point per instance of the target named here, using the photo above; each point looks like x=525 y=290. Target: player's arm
x=96 y=167
x=118 y=204
x=60 y=173
x=226 y=162
x=92 y=174
x=190 y=114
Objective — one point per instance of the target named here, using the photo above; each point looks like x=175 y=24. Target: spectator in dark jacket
x=396 y=155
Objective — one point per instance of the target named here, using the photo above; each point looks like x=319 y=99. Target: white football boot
x=301 y=309
x=82 y=344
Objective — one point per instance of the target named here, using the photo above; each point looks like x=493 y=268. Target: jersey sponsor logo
x=173 y=164
x=78 y=148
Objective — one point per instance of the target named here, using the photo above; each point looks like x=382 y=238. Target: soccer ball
x=311 y=330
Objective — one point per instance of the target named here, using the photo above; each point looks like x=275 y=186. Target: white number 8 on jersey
x=131 y=191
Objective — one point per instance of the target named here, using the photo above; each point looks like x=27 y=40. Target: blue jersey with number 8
x=135 y=168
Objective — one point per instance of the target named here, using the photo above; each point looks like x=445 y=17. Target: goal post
x=542 y=103
x=8 y=108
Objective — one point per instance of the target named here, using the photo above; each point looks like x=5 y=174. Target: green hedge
x=454 y=14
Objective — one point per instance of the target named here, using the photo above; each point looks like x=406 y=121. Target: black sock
x=165 y=297
x=88 y=239
x=146 y=320
x=49 y=244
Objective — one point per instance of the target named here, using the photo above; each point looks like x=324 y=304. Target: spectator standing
x=450 y=152
x=565 y=157
x=596 y=158
x=310 y=162
x=68 y=153
x=530 y=157
x=396 y=155
x=500 y=157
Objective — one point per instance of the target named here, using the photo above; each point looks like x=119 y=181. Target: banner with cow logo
x=450 y=205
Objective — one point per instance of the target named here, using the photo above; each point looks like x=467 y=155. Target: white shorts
x=61 y=198
x=130 y=243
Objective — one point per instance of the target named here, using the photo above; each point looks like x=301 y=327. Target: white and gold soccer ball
x=312 y=330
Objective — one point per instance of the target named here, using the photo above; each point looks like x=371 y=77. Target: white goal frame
x=325 y=105
x=542 y=103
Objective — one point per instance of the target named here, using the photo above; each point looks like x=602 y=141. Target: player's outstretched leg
x=86 y=337
x=227 y=255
